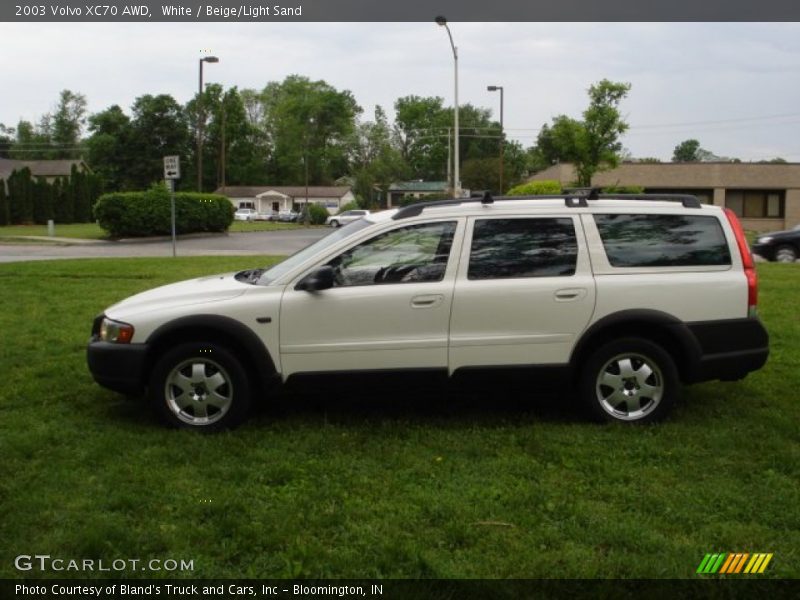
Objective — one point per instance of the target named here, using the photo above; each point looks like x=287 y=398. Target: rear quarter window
x=646 y=240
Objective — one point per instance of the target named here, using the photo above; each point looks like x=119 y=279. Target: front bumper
x=118 y=367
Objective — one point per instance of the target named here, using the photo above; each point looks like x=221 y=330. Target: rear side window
x=663 y=240
x=507 y=248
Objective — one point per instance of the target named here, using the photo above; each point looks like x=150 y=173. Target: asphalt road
x=256 y=242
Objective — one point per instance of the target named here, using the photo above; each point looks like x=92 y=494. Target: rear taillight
x=747 y=262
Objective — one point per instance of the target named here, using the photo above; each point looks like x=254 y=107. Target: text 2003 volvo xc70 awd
x=629 y=297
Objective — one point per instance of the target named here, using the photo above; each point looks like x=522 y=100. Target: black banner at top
x=397 y=10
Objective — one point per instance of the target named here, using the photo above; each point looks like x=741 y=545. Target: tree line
x=276 y=135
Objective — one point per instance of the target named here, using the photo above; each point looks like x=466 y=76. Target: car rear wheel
x=200 y=386
x=629 y=380
x=786 y=254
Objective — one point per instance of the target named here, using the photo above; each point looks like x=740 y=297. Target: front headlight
x=115 y=331
x=764 y=240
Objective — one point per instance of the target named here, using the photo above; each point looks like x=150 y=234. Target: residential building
x=49 y=169
x=265 y=199
x=765 y=196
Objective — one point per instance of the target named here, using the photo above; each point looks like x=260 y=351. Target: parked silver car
x=346 y=217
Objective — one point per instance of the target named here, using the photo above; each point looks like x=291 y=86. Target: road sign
x=172 y=167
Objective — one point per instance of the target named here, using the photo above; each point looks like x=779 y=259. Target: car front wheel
x=786 y=254
x=200 y=386
x=629 y=380
x=334 y=223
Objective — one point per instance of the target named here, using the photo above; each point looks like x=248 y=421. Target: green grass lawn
x=92 y=231
x=86 y=231
x=400 y=484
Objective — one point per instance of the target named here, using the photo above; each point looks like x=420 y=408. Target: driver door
x=389 y=307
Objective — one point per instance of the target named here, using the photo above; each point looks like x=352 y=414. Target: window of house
x=755 y=204
x=508 y=248
x=662 y=240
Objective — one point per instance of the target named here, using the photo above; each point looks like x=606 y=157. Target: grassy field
x=92 y=231
x=490 y=484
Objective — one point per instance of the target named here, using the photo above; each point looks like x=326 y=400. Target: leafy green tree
x=31 y=142
x=20 y=192
x=158 y=129
x=245 y=143
x=307 y=119
x=421 y=134
x=4 y=217
x=687 y=151
x=424 y=129
x=109 y=148
x=7 y=135
x=592 y=144
x=66 y=124
x=374 y=161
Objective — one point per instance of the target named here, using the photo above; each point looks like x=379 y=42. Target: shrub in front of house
x=140 y=214
x=536 y=188
x=317 y=214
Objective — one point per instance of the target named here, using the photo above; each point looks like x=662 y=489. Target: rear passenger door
x=524 y=292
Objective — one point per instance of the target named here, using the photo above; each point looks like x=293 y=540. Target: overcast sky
x=734 y=87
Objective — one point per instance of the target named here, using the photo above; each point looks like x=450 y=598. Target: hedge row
x=140 y=214
x=25 y=199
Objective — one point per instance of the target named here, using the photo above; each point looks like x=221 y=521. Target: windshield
x=298 y=258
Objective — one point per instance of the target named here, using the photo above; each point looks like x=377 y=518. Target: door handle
x=569 y=294
x=429 y=301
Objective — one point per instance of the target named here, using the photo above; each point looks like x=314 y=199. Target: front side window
x=663 y=240
x=508 y=248
x=413 y=254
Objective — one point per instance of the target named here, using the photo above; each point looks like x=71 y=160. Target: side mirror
x=319 y=279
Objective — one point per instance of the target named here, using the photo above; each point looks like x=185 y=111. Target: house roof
x=296 y=191
x=418 y=186
x=686 y=175
x=40 y=168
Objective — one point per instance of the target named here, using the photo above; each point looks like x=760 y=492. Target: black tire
x=630 y=380
x=334 y=223
x=786 y=253
x=200 y=386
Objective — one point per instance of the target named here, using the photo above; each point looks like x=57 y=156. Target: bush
x=317 y=214
x=139 y=214
x=349 y=206
x=536 y=188
x=623 y=189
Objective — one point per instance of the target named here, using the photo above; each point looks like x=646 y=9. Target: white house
x=284 y=198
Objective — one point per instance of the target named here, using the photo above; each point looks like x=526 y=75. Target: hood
x=193 y=291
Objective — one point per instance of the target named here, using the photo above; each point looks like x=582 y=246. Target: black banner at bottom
x=393 y=589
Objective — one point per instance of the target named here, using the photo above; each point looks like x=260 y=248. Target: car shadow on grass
x=477 y=400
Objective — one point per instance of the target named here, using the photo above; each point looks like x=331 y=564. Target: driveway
x=256 y=242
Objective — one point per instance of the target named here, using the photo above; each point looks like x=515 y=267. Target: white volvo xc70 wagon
x=626 y=296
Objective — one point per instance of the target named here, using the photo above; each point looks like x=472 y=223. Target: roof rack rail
x=571 y=200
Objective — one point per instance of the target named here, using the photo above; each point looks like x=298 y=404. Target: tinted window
x=662 y=240
x=505 y=248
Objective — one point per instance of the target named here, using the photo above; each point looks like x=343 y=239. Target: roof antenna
x=487 y=198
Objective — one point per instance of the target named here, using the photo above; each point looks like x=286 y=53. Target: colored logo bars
x=733 y=563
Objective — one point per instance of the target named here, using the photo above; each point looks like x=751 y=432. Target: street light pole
x=201 y=121
x=307 y=216
x=442 y=22
x=494 y=88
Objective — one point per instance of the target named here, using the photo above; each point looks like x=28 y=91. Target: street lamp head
x=210 y=59
x=491 y=88
x=440 y=21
